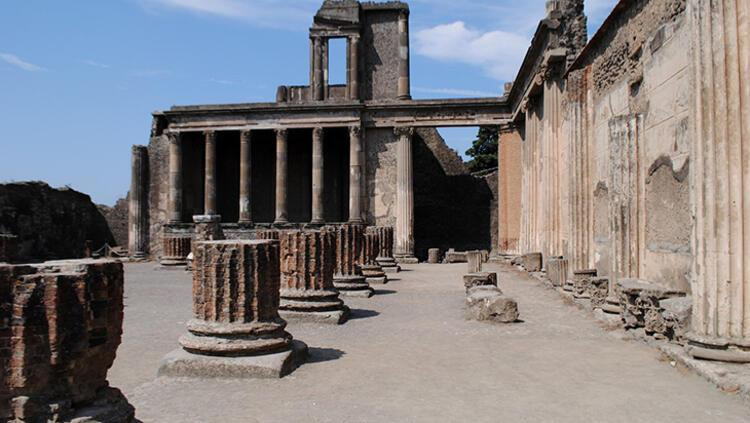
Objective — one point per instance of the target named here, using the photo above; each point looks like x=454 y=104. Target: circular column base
x=716 y=349
x=353 y=286
x=236 y=339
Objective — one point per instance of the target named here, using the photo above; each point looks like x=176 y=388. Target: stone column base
x=705 y=348
x=334 y=317
x=388 y=264
x=374 y=274
x=406 y=259
x=313 y=306
x=353 y=286
x=180 y=363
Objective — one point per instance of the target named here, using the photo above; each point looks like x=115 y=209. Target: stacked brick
x=7 y=248
x=175 y=250
x=60 y=327
x=267 y=234
x=348 y=278
x=385 y=257
x=236 y=300
x=307 y=265
x=371 y=250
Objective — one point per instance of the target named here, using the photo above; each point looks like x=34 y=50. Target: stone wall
x=50 y=223
x=117 y=219
x=380 y=31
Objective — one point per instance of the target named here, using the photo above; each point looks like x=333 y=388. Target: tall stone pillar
x=281 y=176
x=308 y=259
x=317 y=82
x=236 y=330
x=353 y=50
x=510 y=176
x=721 y=180
x=404 y=82
x=209 y=204
x=355 y=174
x=317 y=177
x=324 y=66
x=246 y=214
x=404 y=252
x=138 y=204
x=175 y=177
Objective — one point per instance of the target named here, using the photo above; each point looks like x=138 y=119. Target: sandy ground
x=408 y=355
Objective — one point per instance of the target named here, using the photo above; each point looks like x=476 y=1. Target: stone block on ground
x=480 y=279
x=532 y=262
x=433 y=256
x=640 y=300
x=557 y=270
x=486 y=305
x=453 y=256
x=674 y=320
x=598 y=290
x=474 y=261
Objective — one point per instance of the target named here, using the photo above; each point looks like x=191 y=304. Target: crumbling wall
x=117 y=219
x=381 y=167
x=51 y=223
x=381 y=61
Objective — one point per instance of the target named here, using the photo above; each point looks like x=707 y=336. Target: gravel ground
x=408 y=355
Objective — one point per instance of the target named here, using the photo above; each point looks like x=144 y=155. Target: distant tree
x=483 y=150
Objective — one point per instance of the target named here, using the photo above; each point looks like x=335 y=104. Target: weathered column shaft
x=317 y=176
x=281 y=176
x=324 y=49
x=317 y=83
x=353 y=50
x=510 y=176
x=175 y=178
x=721 y=180
x=245 y=178
x=405 y=194
x=355 y=174
x=209 y=207
x=138 y=203
x=404 y=84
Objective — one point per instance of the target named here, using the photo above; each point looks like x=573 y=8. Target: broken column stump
x=480 y=279
x=557 y=272
x=474 y=261
x=532 y=262
x=60 y=327
x=236 y=331
x=581 y=282
x=598 y=291
x=433 y=256
x=453 y=256
x=487 y=303
x=371 y=270
x=8 y=246
x=175 y=250
x=348 y=278
x=385 y=258
x=307 y=293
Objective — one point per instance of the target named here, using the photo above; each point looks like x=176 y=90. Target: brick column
x=175 y=177
x=404 y=79
x=720 y=163
x=405 y=197
x=355 y=174
x=308 y=260
x=209 y=206
x=348 y=278
x=246 y=215
x=138 y=204
x=281 y=176
x=317 y=177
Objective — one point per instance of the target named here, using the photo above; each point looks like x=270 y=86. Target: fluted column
x=246 y=214
x=175 y=177
x=138 y=203
x=721 y=180
x=209 y=205
x=404 y=83
x=355 y=174
x=281 y=176
x=353 y=67
x=317 y=177
x=404 y=196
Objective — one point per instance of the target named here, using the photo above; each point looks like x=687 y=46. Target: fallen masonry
x=487 y=303
x=236 y=332
x=60 y=327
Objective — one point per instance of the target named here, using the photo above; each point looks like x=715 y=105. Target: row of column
x=356 y=166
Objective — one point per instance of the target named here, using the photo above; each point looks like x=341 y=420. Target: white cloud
x=21 y=64
x=454 y=92
x=498 y=53
x=96 y=64
x=266 y=13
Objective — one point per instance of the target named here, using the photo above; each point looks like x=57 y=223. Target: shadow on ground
x=320 y=355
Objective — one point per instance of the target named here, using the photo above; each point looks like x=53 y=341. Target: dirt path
x=409 y=355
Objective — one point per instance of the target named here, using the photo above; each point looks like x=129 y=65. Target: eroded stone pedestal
x=237 y=325
x=433 y=256
x=385 y=258
x=348 y=278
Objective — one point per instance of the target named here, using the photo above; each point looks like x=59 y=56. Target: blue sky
x=78 y=80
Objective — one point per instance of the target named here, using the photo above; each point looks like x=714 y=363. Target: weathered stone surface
x=7 y=248
x=349 y=244
x=486 y=305
x=532 y=262
x=60 y=326
x=640 y=303
x=480 y=279
x=581 y=283
x=51 y=223
x=117 y=220
x=433 y=256
x=484 y=288
x=557 y=271
x=307 y=290
x=453 y=256
x=474 y=261
x=175 y=250
x=208 y=228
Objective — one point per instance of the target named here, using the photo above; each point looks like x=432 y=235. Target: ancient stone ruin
x=236 y=331
x=348 y=278
x=60 y=326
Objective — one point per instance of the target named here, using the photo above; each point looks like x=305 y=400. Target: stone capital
x=245 y=135
x=282 y=133
x=318 y=132
x=404 y=131
x=174 y=137
x=355 y=130
x=210 y=134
